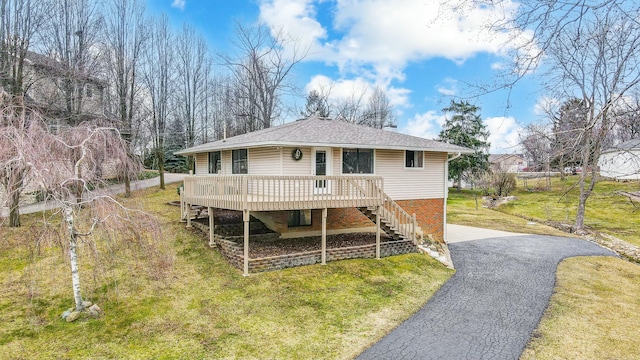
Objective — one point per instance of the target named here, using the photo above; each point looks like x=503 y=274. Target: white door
x=321 y=166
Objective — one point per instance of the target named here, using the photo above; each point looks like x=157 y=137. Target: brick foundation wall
x=429 y=215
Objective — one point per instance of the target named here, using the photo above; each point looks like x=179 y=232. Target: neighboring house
x=621 y=162
x=319 y=176
x=511 y=163
x=46 y=79
x=64 y=96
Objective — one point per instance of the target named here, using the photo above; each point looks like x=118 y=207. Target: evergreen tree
x=465 y=128
x=316 y=105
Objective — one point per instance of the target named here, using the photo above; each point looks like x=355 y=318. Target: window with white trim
x=240 y=161
x=357 y=161
x=413 y=159
x=215 y=162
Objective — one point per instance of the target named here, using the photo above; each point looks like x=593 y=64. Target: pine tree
x=465 y=128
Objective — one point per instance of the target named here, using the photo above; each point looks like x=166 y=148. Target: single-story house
x=621 y=162
x=511 y=163
x=318 y=176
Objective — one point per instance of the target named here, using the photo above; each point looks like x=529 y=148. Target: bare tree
x=125 y=37
x=19 y=22
x=589 y=50
x=262 y=69
x=192 y=73
x=69 y=39
x=535 y=141
x=159 y=79
x=58 y=164
x=379 y=112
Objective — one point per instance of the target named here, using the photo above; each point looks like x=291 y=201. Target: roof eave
x=221 y=147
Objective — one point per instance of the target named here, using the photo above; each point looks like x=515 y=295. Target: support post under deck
x=212 y=242
x=378 y=232
x=324 y=236
x=246 y=217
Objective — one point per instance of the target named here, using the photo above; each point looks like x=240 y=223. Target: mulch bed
x=260 y=249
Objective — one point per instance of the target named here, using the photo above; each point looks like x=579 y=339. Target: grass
x=199 y=306
x=594 y=312
x=606 y=212
x=461 y=210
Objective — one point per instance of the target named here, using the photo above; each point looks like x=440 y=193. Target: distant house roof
x=625 y=146
x=58 y=68
x=499 y=157
x=315 y=131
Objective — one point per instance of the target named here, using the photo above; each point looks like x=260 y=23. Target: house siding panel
x=264 y=161
x=291 y=167
x=402 y=183
x=202 y=164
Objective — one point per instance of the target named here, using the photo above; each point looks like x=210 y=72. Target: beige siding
x=202 y=164
x=402 y=183
x=226 y=163
x=264 y=161
x=293 y=167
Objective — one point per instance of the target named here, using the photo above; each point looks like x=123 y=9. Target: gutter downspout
x=446 y=193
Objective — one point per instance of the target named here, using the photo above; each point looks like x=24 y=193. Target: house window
x=215 y=162
x=299 y=218
x=357 y=161
x=89 y=91
x=413 y=159
x=240 y=161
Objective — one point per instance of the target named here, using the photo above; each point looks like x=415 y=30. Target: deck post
x=378 y=210
x=212 y=241
x=188 y=207
x=246 y=216
x=324 y=236
x=414 y=223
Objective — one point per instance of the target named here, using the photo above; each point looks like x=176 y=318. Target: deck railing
x=269 y=193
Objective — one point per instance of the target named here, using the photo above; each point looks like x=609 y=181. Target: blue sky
x=420 y=53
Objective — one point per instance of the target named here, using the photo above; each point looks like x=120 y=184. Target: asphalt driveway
x=489 y=308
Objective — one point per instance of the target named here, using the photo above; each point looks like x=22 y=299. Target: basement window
x=299 y=218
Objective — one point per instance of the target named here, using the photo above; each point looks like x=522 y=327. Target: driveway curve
x=491 y=305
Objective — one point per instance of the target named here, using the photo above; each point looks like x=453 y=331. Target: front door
x=321 y=167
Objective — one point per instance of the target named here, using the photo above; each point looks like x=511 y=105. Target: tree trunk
x=73 y=257
x=459 y=182
x=161 y=168
x=14 y=202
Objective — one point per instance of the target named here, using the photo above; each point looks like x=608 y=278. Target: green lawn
x=198 y=306
x=606 y=212
x=595 y=310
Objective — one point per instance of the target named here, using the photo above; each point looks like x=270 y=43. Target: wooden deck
x=272 y=193
x=248 y=193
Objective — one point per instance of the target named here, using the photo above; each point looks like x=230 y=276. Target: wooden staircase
x=394 y=220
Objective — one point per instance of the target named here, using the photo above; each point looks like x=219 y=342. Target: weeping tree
x=59 y=164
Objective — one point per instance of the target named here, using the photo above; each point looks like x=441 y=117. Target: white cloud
x=427 y=125
x=546 y=105
x=356 y=88
x=503 y=130
x=504 y=133
x=381 y=37
x=179 y=4
x=449 y=87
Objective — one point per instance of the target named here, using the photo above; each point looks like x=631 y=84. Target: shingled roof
x=316 y=131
